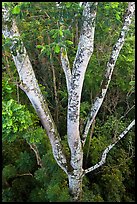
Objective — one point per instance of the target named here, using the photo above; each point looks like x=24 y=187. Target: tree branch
x=54 y=83
x=84 y=52
x=66 y=66
x=30 y=86
x=35 y=149
x=109 y=70
x=90 y=136
x=63 y=53
x=25 y=174
x=104 y=155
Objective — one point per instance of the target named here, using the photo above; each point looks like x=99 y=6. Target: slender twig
x=35 y=149
x=90 y=136
x=54 y=82
x=115 y=166
x=25 y=174
x=17 y=91
x=127 y=112
x=104 y=155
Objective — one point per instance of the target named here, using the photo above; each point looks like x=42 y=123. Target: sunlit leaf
x=16 y=10
x=57 y=49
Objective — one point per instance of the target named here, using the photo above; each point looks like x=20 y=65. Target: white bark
x=84 y=52
x=106 y=151
x=109 y=70
x=75 y=184
x=66 y=67
x=30 y=86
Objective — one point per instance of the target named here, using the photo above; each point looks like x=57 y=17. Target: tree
x=72 y=163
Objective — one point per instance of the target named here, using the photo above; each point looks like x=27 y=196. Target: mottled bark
x=84 y=52
x=109 y=70
x=75 y=185
x=30 y=86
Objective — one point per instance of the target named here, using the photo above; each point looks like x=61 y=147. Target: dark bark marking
x=111 y=61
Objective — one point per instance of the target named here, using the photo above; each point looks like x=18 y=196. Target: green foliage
x=98 y=145
x=8 y=88
x=25 y=162
x=57 y=49
x=113 y=179
x=109 y=182
x=90 y=196
x=34 y=135
x=15 y=118
x=21 y=187
x=9 y=171
x=112 y=127
x=7 y=195
x=38 y=195
x=16 y=10
x=84 y=109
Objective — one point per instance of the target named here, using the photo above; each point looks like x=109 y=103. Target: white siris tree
x=73 y=167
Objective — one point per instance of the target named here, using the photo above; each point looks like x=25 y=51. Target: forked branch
x=109 y=70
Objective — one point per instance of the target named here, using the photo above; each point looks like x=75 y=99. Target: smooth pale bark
x=74 y=82
x=84 y=52
x=109 y=70
x=30 y=86
x=106 y=151
x=66 y=67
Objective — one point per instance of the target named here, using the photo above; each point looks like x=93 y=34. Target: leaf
x=43 y=50
x=55 y=35
x=68 y=4
x=9 y=102
x=16 y=10
x=39 y=46
x=69 y=42
x=114 y=4
x=117 y=16
x=132 y=83
x=60 y=33
x=15 y=129
x=107 y=7
x=57 y=49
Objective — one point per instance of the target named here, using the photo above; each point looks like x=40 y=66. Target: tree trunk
x=75 y=185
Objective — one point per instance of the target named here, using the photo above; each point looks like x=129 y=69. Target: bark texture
x=109 y=70
x=30 y=86
x=75 y=185
x=84 y=52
